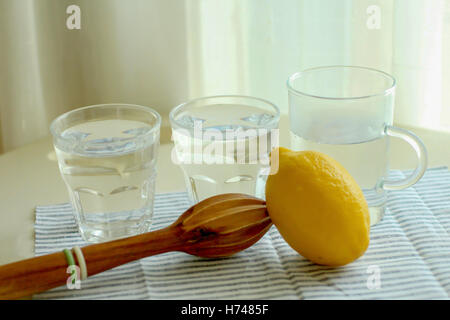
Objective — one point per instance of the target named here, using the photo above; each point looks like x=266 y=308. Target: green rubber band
x=69 y=257
x=70 y=260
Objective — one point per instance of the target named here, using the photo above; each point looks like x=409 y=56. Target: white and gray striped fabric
x=408 y=258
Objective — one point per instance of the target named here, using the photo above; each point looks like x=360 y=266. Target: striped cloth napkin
x=408 y=257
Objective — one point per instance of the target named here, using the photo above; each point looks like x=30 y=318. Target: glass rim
x=297 y=75
x=177 y=108
x=150 y=110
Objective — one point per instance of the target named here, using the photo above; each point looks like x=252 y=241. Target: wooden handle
x=216 y=227
x=24 y=278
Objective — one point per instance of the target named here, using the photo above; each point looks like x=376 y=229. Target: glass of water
x=107 y=157
x=222 y=144
x=347 y=113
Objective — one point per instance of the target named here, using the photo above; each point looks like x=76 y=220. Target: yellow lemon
x=318 y=208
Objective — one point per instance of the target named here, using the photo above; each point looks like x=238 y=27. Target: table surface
x=30 y=177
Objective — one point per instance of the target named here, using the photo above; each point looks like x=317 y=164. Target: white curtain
x=162 y=52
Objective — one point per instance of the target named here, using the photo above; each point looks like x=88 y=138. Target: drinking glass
x=107 y=157
x=347 y=113
x=222 y=144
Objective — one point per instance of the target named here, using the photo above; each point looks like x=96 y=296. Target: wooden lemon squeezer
x=216 y=227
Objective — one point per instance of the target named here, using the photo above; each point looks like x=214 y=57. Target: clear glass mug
x=222 y=144
x=347 y=113
x=107 y=158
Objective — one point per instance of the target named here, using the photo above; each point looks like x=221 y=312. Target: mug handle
x=422 y=157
